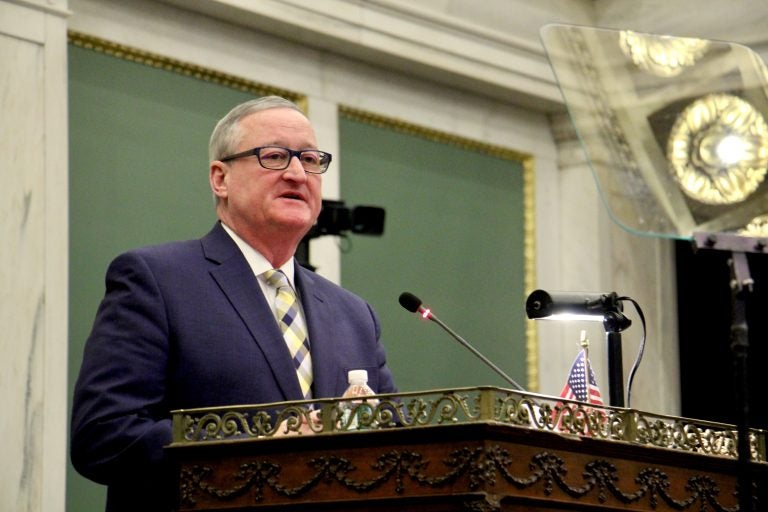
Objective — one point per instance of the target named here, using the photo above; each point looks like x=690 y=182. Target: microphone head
x=410 y=302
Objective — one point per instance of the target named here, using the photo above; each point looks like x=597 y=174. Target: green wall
x=453 y=237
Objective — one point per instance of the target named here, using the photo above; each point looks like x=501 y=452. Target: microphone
x=413 y=304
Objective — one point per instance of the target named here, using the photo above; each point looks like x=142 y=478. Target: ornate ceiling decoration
x=757 y=227
x=718 y=149
x=661 y=55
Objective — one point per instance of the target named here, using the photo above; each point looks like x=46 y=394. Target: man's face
x=266 y=203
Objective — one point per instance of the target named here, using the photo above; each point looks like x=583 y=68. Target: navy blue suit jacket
x=185 y=325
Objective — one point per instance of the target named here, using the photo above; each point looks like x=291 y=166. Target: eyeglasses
x=278 y=158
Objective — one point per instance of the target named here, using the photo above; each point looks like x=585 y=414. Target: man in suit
x=192 y=324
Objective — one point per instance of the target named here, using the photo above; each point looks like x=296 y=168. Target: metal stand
x=741 y=289
x=615 y=322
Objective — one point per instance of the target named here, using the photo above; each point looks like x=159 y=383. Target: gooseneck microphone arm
x=414 y=305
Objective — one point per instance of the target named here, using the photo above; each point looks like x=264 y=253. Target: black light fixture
x=601 y=307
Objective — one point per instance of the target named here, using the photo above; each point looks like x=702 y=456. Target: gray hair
x=227 y=135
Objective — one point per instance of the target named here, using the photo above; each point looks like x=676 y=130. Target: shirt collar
x=258 y=263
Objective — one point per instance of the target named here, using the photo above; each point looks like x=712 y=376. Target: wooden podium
x=483 y=449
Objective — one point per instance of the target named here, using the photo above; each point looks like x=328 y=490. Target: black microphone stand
x=741 y=289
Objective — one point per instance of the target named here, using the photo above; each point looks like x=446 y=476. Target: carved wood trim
x=492 y=469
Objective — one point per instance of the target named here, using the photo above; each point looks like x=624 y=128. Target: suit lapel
x=319 y=317
x=239 y=285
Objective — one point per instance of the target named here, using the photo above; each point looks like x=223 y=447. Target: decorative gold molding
x=529 y=248
x=433 y=135
x=464 y=406
x=529 y=202
x=180 y=67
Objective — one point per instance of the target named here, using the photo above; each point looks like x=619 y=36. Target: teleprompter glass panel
x=675 y=129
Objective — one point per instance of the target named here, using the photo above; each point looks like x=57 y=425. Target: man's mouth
x=292 y=195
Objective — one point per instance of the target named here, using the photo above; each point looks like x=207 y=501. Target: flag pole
x=584 y=342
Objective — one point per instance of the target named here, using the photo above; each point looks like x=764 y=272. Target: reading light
x=570 y=306
x=600 y=307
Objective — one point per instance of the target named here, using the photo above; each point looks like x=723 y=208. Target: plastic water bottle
x=353 y=410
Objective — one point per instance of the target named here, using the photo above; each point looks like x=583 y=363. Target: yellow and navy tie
x=292 y=325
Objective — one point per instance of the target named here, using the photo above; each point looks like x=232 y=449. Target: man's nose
x=295 y=169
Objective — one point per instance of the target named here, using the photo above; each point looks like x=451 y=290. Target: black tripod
x=741 y=290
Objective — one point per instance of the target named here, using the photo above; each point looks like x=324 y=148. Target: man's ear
x=217 y=177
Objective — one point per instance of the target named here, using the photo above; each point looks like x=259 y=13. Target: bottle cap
x=357 y=376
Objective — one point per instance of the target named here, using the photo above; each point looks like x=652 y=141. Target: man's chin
x=298 y=224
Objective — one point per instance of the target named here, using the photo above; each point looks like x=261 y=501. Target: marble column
x=33 y=254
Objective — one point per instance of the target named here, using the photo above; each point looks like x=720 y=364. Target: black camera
x=336 y=219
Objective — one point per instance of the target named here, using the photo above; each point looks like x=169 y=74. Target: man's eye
x=310 y=158
x=273 y=155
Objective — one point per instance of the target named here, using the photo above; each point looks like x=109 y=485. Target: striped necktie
x=292 y=325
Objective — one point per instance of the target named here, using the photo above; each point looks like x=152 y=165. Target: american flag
x=577 y=387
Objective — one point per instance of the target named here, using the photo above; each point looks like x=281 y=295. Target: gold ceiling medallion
x=757 y=227
x=663 y=56
x=718 y=149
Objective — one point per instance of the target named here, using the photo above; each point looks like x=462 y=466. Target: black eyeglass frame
x=291 y=152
